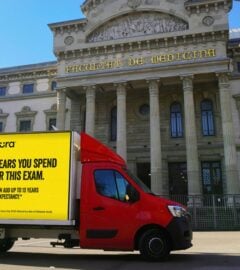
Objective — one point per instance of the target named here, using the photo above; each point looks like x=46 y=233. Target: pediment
x=137 y=24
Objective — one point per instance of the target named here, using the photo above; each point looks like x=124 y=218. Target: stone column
x=155 y=139
x=230 y=154
x=75 y=120
x=61 y=108
x=90 y=110
x=121 y=121
x=193 y=172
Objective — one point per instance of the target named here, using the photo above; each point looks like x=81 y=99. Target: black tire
x=6 y=244
x=154 y=245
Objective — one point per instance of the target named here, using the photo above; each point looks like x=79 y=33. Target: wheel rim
x=156 y=245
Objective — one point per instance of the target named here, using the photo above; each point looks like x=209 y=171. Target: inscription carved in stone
x=138 y=24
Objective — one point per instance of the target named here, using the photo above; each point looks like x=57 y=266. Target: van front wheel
x=154 y=245
x=6 y=244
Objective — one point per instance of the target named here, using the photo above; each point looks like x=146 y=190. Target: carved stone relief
x=68 y=40
x=134 y=3
x=138 y=24
x=208 y=20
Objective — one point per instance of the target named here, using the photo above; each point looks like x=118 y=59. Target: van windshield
x=139 y=183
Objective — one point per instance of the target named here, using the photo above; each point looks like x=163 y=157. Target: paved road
x=214 y=251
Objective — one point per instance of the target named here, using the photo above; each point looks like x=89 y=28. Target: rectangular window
x=52 y=123
x=25 y=125
x=1 y=126
x=28 y=88
x=3 y=91
x=53 y=85
x=212 y=177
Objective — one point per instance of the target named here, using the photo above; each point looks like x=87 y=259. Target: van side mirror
x=132 y=195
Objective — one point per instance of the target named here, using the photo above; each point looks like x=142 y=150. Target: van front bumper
x=180 y=231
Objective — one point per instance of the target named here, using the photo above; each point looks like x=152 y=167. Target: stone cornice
x=29 y=96
x=172 y=40
x=90 y=4
x=68 y=26
x=203 y=6
x=31 y=74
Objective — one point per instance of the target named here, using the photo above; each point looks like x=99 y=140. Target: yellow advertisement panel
x=34 y=176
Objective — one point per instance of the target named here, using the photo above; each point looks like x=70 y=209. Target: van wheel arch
x=149 y=227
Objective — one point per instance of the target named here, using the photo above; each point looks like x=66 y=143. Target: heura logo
x=7 y=144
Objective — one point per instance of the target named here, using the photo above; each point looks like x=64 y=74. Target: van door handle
x=98 y=208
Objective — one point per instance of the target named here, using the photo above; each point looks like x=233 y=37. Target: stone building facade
x=156 y=80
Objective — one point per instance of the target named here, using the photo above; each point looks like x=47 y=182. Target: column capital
x=121 y=88
x=90 y=90
x=61 y=90
x=122 y=84
x=187 y=81
x=153 y=82
x=89 y=87
x=153 y=86
x=223 y=77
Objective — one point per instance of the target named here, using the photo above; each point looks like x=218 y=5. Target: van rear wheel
x=6 y=244
x=154 y=245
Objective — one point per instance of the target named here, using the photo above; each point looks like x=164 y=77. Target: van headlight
x=177 y=211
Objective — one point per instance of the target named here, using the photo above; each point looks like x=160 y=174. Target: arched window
x=113 y=124
x=207 y=118
x=176 y=120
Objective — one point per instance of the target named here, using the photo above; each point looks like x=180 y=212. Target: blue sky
x=25 y=36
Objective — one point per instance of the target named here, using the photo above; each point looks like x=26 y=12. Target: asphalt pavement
x=211 y=250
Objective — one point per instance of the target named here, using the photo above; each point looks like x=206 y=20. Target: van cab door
x=109 y=208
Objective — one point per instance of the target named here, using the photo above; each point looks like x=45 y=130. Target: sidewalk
x=216 y=242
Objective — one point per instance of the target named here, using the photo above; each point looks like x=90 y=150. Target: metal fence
x=212 y=212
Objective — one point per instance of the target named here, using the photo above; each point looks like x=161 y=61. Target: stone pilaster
x=230 y=154
x=155 y=139
x=193 y=172
x=90 y=109
x=121 y=120
x=61 y=108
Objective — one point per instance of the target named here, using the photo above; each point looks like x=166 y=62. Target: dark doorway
x=177 y=172
x=143 y=172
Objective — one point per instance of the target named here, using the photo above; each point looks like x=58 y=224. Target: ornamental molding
x=208 y=20
x=68 y=27
x=90 y=5
x=27 y=75
x=140 y=45
x=134 y=3
x=137 y=24
x=203 y=6
x=26 y=112
x=69 y=40
x=52 y=110
x=3 y=115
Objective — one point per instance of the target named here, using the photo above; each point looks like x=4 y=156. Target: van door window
x=105 y=183
x=112 y=184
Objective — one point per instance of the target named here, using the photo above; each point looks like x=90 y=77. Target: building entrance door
x=143 y=172
x=177 y=172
